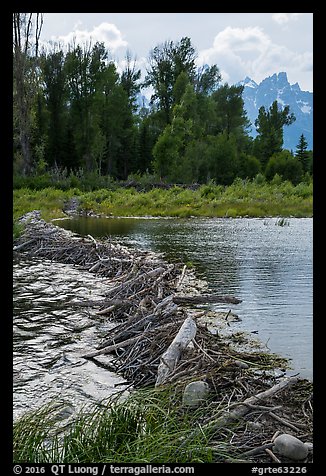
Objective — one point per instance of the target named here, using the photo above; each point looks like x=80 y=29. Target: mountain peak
x=279 y=79
x=282 y=77
x=277 y=87
x=249 y=83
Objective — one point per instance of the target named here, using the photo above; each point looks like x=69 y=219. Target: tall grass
x=149 y=426
x=242 y=198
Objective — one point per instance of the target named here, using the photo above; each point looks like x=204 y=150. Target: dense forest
x=76 y=113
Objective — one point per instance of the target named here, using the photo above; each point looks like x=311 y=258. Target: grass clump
x=149 y=426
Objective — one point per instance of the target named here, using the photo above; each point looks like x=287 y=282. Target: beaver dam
x=233 y=401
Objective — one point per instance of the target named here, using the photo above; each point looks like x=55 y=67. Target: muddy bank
x=149 y=301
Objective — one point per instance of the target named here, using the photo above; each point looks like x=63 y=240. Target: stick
x=182 y=276
x=243 y=409
x=22 y=245
x=204 y=298
x=259 y=449
x=285 y=422
x=107 y=350
x=271 y=454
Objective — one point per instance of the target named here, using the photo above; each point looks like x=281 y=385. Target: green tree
x=285 y=165
x=54 y=86
x=249 y=166
x=231 y=116
x=165 y=152
x=269 y=125
x=26 y=33
x=129 y=80
x=166 y=62
x=302 y=153
x=207 y=80
x=222 y=158
x=169 y=151
x=83 y=67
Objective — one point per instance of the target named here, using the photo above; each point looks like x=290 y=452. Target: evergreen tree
x=302 y=154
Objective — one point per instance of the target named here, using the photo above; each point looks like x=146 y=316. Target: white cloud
x=251 y=52
x=284 y=18
x=107 y=33
x=236 y=50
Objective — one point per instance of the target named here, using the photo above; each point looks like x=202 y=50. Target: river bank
x=150 y=300
x=243 y=198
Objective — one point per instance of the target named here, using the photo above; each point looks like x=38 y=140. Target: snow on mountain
x=277 y=87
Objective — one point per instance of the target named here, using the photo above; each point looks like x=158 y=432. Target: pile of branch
x=143 y=297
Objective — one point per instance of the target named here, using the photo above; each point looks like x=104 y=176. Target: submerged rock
x=290 y=446
x=195 y=393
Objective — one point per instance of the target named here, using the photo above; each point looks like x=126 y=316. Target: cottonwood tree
x=130 y=78
x=269 y=125
x=229 y=107
x=26 y=35
x=166 y=62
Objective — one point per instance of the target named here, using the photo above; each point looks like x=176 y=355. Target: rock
x=241 y=365
x=309 y=445
x=254 y=425
x=291 y=447
x=195 y=393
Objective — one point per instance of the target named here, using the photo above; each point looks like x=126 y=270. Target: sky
x=256 y=45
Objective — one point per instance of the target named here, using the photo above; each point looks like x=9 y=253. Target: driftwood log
x=171 y=356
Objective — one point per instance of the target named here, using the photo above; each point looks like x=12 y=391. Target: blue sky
x=240 y=44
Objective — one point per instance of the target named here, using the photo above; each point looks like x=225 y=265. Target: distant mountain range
x=277 y=87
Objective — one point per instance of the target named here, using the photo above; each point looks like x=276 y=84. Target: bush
x=285 y=165
x=259 y=179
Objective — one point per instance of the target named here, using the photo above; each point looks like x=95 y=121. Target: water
x=51 y=334
x=269 y=267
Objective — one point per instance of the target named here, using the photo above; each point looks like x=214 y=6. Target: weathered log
x=242 y=408
x=173 y=353
x=183 y=300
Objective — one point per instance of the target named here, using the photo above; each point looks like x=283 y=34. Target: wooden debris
x=171 y=356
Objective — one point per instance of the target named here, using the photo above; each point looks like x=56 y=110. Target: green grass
x=150 y=426
x=242 y=198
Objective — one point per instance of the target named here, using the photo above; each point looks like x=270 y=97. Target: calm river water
x=267 y=266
